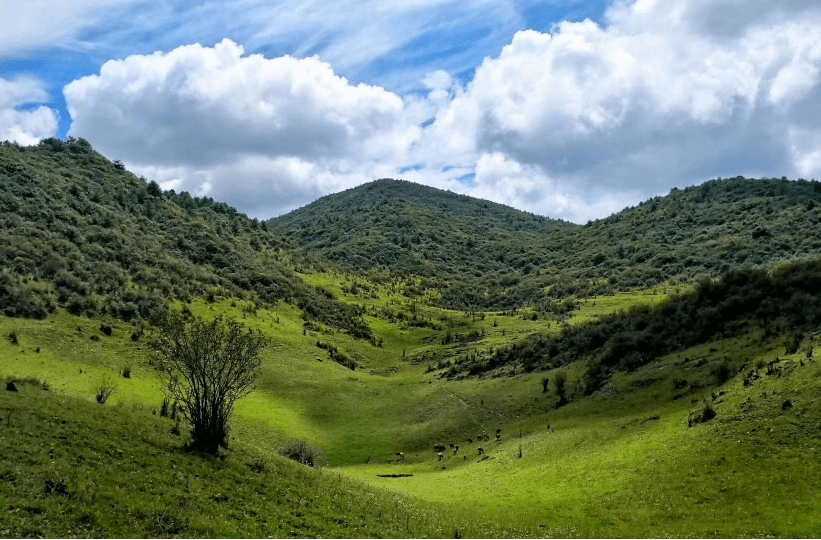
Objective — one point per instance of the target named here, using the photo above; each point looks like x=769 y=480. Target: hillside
x=81 y=232
x=101 y=472
x=652 y=409
x=454 y=242
x=484 y=256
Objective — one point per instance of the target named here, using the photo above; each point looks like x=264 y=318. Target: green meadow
x=622 y=462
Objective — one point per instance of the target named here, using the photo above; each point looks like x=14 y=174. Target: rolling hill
x=650 y=374
x=80 y=232
x=482 y=255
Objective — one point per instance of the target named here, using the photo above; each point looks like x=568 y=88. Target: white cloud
x=45 y=23
x=282 y=127
x=26 y=126
x=574 y=124
x=659 y=97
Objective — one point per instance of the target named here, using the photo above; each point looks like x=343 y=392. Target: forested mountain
x=79 y=231
x=487 y=256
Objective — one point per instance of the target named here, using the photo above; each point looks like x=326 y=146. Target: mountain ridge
x=689 y=234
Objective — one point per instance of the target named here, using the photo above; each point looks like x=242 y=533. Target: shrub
x=723 y=372
x=703 y=414
x=126 y=372
x=29 y=381
x=560 y=385
x=13 y=337
x=791 y=344
x=106 y=329
x=164 y=407
x=595 y=377
x=258 y=466
x=104 y=390
x=302 y=452
x=207 y=367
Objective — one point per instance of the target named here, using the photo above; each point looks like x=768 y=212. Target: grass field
x=622 y=462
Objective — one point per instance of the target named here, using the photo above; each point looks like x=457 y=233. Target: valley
x=401 y=322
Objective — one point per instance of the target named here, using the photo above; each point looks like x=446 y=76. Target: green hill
x=481 y=255
x=79 y=231
x=72 y=468
x=688 y=408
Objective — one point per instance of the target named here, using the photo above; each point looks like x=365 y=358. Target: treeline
x=484 y=256
x=785 y=300
x=80 y=232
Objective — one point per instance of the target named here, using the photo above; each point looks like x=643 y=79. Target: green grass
x=605 y=466
x=72 y=468
x=608 y=467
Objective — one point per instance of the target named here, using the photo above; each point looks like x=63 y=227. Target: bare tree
x=206 y=367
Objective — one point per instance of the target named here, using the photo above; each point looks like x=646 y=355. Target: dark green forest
x=81 y=232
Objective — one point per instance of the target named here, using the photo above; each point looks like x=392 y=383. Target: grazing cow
x=451 y=446
x=470 y=441
x=481 y=450
x=439 y=448
x=441 y=456
x=400 y=456
x=455 y=449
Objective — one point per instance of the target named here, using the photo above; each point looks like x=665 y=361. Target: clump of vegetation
x=560 y=387
x=13 y=338
x=164 y=407
x=703 y=414
x=105 y=388
x=303 y=452
x=206 y=367
x=16 y=382
x=723 y=371
x=338 y=356
x=258 y=465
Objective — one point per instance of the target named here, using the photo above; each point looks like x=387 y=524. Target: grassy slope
x=607 y=467
x=594 y=472
x=117 y=472
x=604 y=467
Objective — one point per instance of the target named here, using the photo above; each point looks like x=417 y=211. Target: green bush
x=302 y=452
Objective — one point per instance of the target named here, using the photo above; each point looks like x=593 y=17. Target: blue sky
x=565 y=108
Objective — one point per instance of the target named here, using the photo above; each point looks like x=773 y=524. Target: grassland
x=622 y=462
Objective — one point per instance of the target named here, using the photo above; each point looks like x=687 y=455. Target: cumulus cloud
x=661 y=96
x=575 y=123
x=212 y=116
x=29 y=125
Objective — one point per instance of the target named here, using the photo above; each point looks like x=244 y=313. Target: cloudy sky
x=570 y=109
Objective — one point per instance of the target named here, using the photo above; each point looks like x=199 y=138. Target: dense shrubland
x=785 y=300
x=481 y=255
x=80 y=232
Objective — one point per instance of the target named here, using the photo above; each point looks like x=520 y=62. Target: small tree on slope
x=207 y=367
